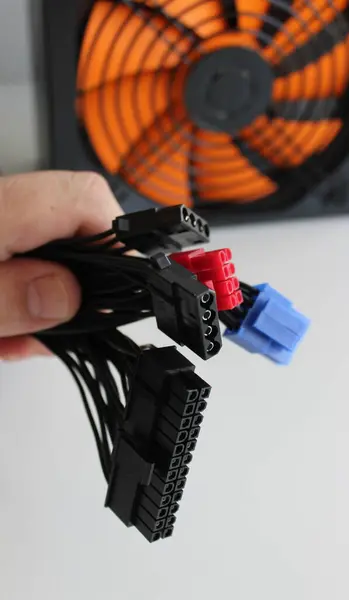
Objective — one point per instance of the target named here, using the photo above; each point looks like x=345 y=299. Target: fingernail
x=48 y=299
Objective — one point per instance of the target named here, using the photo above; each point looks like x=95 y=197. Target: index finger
x=37 y=208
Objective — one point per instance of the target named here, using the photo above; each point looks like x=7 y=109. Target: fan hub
x=228 y=88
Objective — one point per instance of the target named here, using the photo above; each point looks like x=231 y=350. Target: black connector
x=152 y=453
x=184 y=308
x=168 y=229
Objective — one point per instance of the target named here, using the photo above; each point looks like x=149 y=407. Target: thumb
x=35 y=295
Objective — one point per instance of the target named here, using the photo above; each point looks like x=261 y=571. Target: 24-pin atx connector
x=154 y=447
x=147 y=423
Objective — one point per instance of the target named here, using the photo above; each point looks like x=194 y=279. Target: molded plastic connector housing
x=166 y=230
x=216 y=271
x=153 y=451
x=185 y=309
x=272 y=327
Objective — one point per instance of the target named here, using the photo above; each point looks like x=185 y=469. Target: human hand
x=37 y=208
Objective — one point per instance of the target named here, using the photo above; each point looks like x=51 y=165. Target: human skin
x=37 y=208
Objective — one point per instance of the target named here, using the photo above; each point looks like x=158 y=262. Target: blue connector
x=272 y=327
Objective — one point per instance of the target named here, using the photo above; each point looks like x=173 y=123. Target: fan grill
x=134 y=68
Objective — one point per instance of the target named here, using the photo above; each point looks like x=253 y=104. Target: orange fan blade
x=116 y=115
x=120 y=42
x=227 y=40
x=223 y=173
x=204 y=17
x=157 y=167
x=311 y=18
x=250 y=14
x=301 y=111
x=328 y=76
x=290 y=143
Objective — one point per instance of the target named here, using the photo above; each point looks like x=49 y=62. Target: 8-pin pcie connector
x=216 y=270
x=271 y=326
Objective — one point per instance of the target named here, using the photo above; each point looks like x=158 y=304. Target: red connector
x=186 y=258
x=221 y=273
x=214 y=270
x=215 y=259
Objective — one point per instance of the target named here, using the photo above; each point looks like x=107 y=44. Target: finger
x=20 y=348
x=35 y=295
x=36 y=208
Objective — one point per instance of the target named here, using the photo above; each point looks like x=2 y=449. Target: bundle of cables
x=145 y=404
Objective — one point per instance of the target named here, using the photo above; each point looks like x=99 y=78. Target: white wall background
x=265 y=513
x=20 y=95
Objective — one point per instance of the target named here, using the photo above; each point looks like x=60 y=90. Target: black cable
x=102 y=451
x=115 y=292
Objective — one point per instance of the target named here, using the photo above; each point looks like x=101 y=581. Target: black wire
x=83 y=240
x=114 y=293
x=233 y=319
x=106 y=381
x=101 y=407
x=102 y=451
x=97 y=351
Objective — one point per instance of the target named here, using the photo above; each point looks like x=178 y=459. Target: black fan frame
x=64 y=24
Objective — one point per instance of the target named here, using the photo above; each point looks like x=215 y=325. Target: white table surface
x=265 y=512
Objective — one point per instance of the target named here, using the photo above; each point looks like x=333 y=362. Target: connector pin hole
x=207 y=230
x=207 y=315
x=213 y=348
x=189 y=410
x=193 y=220
x=177 y=496
x=168 y=533
x=208 y=331
x=205 y=298
x=187 y=459
x=192 y=395
x=175 y=462
x=179 y=449
x=201 y=406
x=194 y=433
x=165 y=500
x=191 y=446
x=185 y=214
x=200 y=225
